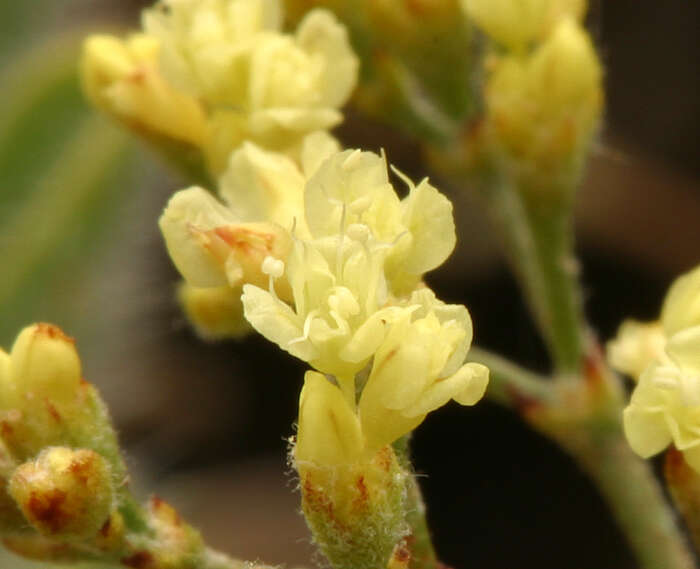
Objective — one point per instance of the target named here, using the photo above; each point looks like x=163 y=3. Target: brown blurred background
x=205 y=424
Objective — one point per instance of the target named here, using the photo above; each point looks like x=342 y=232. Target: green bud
x=65 y=494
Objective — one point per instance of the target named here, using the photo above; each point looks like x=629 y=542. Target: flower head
x=366 y=244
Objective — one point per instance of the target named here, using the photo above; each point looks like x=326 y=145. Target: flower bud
x=215 y=313
x=515 y=23
x=543 y=108
x=42 y=396
x=64 y=493
x=121 y=77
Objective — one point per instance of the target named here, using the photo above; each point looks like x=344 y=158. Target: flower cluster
x=309 y=242
x=663 y=357
x=325 y=254
x=215 y=73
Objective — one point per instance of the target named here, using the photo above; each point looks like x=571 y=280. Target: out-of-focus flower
x=542 y=108
x=638 y=344
x=257 y=83
x=665 y=404
x=516 y=23
x=122 y=78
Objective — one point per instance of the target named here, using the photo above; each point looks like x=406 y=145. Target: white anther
x=273 y=267
x=360 y=204
x=359 y=232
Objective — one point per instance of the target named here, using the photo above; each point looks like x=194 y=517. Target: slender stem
x=585 y=418
x=684 y=484
x=511 y=385
x=538 y=242
x=637 y=502
x=562 y=323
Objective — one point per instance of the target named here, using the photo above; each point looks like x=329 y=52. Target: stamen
x=274 y=268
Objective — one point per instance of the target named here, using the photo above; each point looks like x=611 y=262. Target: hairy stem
x=585 y=418
x=423 y=554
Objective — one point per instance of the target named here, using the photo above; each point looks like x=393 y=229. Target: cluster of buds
x=543 y=91
x=60 y=470
x=63 y=483
x=662 y=356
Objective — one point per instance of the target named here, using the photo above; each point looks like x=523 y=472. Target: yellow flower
x=364 y=240
x=515 y=23
x=214 y=244
x=352 y=190
x=219 y=245
x=638 y=344
x=681 y=307
x=258 y=84
x=121 y=77
x=665 y=404
x=418 y=368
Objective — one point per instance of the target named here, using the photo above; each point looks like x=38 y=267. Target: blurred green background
x=204 y=424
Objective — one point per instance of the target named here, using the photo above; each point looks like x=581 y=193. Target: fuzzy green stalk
x=420 y=543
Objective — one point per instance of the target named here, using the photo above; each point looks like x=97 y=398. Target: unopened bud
x=43 y=399
x=543 y=108
x=64 y=493
x=515 y=23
